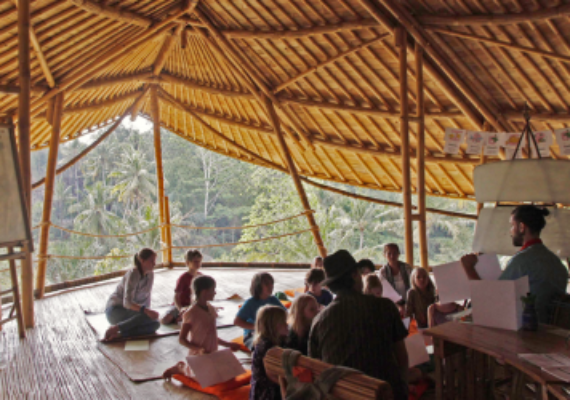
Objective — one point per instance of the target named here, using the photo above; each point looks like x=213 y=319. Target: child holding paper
x=304 y=309
x=270 y=330
x=261 y=295
x=373 y=286
x=314 y=280
x=183 y=291
x=198 y=332
x=420 y=297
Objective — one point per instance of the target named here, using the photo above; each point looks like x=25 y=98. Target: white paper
x=389 y=292
x=498 y=304
x=453 y=140
x=474 y=141
x=544 y=141
x=511 y=140
x=493 y=143
x=488 y=267
x=211 y=369
x=563 y=140
x=137 y=345
x=417 y=352
x=406 y=322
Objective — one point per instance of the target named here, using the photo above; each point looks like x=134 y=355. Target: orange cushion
x=286 y=303
x=222 y=390
x=239 y=340
x=413 y=328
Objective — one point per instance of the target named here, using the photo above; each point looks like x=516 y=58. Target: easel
x=18 y=232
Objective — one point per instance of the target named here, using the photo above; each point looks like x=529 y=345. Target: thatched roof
x=330 y=68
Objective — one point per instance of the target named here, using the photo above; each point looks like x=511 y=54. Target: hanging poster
x=511 y=140
x=563 y=140
x=544 y=141
x=474 y=142
x=453 y=140
x=493 y=142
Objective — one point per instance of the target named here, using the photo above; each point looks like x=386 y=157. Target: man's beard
x=518 y=239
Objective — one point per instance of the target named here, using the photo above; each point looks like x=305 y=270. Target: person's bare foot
x=178 y=369
x=112 y=333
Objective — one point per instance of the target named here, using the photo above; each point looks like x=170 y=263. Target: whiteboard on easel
x=14 y=226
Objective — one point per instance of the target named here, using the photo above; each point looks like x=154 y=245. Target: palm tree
x=93 y=216
x=135 y=183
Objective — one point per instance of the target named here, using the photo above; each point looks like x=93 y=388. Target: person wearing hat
x=359 y=331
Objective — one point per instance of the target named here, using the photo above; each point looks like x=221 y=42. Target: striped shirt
x=359 y=332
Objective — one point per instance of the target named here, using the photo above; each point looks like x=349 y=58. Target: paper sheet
x=497 y=304
x=216 y=367
x=452 y=282
x=389 y=292
x=137 y=345
x=417 y=352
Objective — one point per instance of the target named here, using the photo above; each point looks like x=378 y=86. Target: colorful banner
x=493 y=142
x=474 y=141
x=453 y=140
x=563 y=140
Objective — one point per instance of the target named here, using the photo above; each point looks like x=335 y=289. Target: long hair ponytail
x=143 y=254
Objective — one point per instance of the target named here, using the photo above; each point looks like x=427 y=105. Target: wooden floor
x=59 y=359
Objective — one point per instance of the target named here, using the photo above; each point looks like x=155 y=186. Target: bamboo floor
x=59 y=358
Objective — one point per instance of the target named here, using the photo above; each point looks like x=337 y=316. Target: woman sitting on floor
x=128 y=307
x=261 y=294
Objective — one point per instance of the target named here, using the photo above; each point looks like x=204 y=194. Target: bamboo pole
x=155 y=110
x=296 y=180
x=16 y=297
x=402 y=44
x=420 y=168
x=168 y=230
x=24 y=99
x=48 y=196
x=27 y=278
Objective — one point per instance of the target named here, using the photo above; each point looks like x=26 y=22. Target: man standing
x=547 y=276
x=359 y=331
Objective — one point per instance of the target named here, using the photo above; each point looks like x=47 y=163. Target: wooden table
x=466 y=356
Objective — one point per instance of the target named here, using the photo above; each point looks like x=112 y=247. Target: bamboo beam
x=86 y=150
x=547 y=117
x=296 y=180
x=331 y=60
x=168 y=230
x=496 y=19
x=112 y=12
x=420 y=166
x=165 y=50
x=155 y=110
x=303 y=32
x=135 y=108
x=117 y=80
x=402 y=44
x=48 y=196
x=101 y=104
x=27 y=278
x=169 y=78
x=508 y=45
x=16 y=90
x=15 y=297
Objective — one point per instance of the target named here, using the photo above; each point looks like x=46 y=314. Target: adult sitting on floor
x=547 y=276
x=128 y=307
x=359 y=331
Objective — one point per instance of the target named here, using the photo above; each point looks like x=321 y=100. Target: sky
x=140 y=124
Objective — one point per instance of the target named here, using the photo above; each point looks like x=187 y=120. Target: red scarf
x=530 y=243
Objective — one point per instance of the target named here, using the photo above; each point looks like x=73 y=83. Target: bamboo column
x=294 y=174
x=168 y=230
x=155 y=111
x=420 y=166
x=402 y=44
x=27 y=270
x=48 y=196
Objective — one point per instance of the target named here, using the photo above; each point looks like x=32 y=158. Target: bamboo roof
x=330 y=68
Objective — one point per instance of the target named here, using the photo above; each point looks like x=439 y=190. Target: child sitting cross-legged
x=198 y=331
x=270 y=330
x=373 y=285
x=261 y=290
x=313 y=280
x=304 y=309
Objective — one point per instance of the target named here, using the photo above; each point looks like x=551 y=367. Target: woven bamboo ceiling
x=330 y=68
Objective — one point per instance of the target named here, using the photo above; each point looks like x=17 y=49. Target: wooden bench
x=352 y=387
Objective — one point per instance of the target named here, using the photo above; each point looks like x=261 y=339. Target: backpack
x=320 y=388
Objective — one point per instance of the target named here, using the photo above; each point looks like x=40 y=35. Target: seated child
x=183 y=291
x=373 y=285
x=366 y=266
x=270 y=330
x=304 y=309
x=313 y=280
x=438 y=312
x=261 y=290
x=198 y=332
x=420 y=297
x=317 y=263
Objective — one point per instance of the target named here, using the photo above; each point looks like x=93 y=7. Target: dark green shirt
x=547 y=276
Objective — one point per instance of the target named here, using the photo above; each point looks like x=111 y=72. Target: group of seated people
x=358 y=329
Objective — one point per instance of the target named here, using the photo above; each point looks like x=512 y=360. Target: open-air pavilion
x=358 y=92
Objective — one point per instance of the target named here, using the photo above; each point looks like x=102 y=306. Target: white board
x=217 y=367
x=417 y=351
x=534 y=180
x=492 y=232
x=13 y=218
